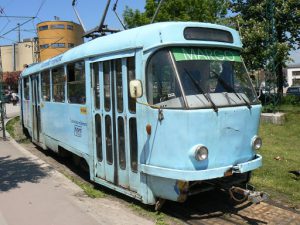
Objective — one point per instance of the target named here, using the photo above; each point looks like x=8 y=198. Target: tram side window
x=46 y=85
x=26 y=88
x=95 y=74
x=106 y=74
x=58 y=84
x=118 y=68
x=133 y=144
x=131 y=76
x=76 y=83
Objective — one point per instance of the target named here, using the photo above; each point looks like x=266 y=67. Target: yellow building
x=14 y=57
x=56 y=37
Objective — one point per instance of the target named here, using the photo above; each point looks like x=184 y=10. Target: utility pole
x=2 y=103
x=271 y=95
x=19 y=33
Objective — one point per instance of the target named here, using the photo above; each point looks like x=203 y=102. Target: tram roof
x=146 y=37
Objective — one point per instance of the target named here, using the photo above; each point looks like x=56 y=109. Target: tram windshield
x=184 y=77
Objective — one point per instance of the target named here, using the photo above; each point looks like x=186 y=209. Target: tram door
x=111 y=124
x=36 y=111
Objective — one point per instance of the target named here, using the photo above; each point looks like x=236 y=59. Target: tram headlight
x=201 y=153
x=256 y=143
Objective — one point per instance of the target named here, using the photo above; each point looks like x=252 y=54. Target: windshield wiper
x=199 y=89
x=229 y=88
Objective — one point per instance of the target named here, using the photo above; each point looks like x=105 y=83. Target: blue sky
x=89 y=10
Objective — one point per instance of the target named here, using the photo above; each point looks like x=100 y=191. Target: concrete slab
x=274 y=118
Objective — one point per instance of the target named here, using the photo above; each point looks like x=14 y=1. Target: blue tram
x=162 y=111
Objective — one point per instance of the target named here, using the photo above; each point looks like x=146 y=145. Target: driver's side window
x=161 y=79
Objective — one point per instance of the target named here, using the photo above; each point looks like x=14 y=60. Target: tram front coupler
x=239 y=194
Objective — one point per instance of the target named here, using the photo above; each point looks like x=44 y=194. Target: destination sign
x=183 y=54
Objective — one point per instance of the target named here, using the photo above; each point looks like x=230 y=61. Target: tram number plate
x=77 y=131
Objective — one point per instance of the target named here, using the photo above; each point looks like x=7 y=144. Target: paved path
x=32 y=193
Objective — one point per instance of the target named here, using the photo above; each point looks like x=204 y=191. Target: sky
x=90 y=12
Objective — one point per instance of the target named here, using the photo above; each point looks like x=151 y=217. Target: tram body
x=194 y=124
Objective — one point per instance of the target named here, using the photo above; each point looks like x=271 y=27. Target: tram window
x=121 y=143
x=58 y=84
x=106 y=73
x=45 y=85
x=162 y=84
x=119 y=85
x=131 y=76
x=207 y=34
x=76 y=83
x=26 y=88
x=133 y=144
x=95 y=74
x=98 y=137
x=108 y=137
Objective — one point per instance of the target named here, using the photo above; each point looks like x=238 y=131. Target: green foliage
x=264 y=42
x=178 y=10
x=269 y=108
x=291 y=100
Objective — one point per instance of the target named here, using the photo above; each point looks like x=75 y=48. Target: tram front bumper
x=193 y=175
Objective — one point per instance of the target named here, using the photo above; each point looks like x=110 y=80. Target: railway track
x=212 y=207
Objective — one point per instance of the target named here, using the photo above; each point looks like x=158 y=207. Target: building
x=14 y=57
x=56 y=37
x=293 y=75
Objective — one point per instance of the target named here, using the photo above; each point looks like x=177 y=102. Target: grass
x=10 y=126
x=14 y=129
x=88 y=188
x=281 y=153
x=159 y=217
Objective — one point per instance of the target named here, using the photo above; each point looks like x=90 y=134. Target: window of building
x=46 y=85
x=57 y=26
x=44 y=46
x=45 y=27
x=71 y=45
x=58 y=45
x=76 y=82
x=296 y=73
x=58 y=84
x=26 y=88
x=70 y=27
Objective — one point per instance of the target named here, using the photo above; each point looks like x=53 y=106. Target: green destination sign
x=182 y=54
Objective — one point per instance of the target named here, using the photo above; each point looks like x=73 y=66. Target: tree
x=178 y=10
x=270 y=29
x=11 y=79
